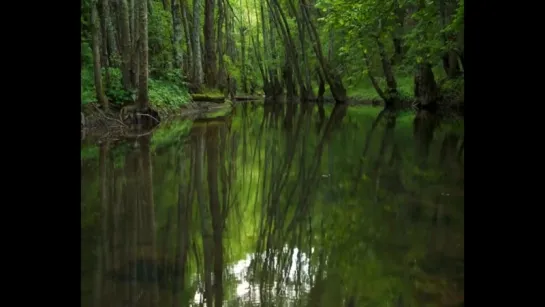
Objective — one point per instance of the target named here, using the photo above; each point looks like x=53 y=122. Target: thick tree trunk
x=209 y=43
x=425 y=88
x=109 y=28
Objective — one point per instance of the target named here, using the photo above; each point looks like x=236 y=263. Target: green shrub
x=453 y=90
x=115 y=91
x=165 y=94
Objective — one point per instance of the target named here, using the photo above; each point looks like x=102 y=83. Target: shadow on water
x=277 y=204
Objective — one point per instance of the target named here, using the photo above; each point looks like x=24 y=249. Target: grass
x=364 y=90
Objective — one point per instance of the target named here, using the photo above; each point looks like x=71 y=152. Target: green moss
x=212 y=92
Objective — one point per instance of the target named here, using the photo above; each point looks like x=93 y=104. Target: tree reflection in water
x=279 y=205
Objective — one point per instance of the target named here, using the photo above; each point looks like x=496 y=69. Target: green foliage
x=161 y=93
x=114 y=91
x=87 y=86
x=89 y=153
x=166 y=94
x=87 y=78
x=159 y=40
x=231 y=67
x=453 y=90
x=425 y=38
x=166 y=87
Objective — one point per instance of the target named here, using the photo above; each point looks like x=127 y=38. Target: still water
x=277 y=205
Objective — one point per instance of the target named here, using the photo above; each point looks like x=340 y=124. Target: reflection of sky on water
x=247 y=293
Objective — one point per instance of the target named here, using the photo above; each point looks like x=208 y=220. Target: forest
x=297 y=193
x=165 y=55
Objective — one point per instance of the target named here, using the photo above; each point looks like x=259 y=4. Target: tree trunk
x=188 y=38
x=209 y=43
x=321 y=84
x=96 y=55
x=220 y=78
x=243 y=60
x=176 y=34
x=126 y=49
x=143 y=99
x=135 y=42
x=425 y=88
x=450 y=59
x=198 y=74
x=399 y=52
x=333 y=79
x=392 y=94
x=110 y=29
x=105 y=46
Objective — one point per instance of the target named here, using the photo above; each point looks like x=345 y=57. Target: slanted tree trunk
x=392 y=94
x=333 y=79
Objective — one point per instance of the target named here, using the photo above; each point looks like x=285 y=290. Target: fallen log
x=247 y=98
x=209 y=98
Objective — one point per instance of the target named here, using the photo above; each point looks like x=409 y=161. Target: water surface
x=277 y=205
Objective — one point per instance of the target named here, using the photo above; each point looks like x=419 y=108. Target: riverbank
x=97 y=123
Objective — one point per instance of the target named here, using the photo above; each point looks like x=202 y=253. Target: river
x=277 y=205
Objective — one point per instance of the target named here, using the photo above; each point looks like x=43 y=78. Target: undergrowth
x=163 y=93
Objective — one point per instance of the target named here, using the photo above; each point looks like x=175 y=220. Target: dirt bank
x=97 y=123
